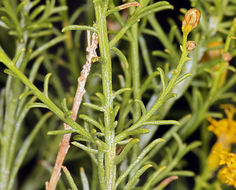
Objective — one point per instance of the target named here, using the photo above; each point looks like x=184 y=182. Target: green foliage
x=116 y=137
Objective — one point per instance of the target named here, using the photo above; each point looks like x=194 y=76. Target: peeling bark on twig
x=65 y=144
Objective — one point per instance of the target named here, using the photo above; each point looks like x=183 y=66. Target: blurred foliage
x=120 y=137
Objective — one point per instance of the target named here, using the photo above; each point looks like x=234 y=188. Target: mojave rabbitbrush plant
x=117 y=94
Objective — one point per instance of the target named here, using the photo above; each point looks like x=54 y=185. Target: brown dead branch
x=65 y=144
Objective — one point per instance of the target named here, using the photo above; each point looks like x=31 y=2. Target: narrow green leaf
x=92 y=121
x=115 y=123
x=169 y=134
x=139 y=159
x=184 y=173
x=152 y=177
x=159 y=53
x=61 y=132
x=101 y=97
x=162 y=75
x=11 y=13
x=37 y=11
x=41 y=33
x=161 y=122
x=35 y=68
x=124 y=142
x=85 y=148
x=39 y=26
x=25 y=94
x=69 y=178
x=46 y=82
x=182 y=78
x=4 y=25
x=84 y=179
x=68 y=113
x=172 y=33
x=59 y=9
x=135 y=178
x=178 y=140
x=121 y=56
x=76 y=14
x=95 y=107
x=21 y=6
x=101 y=172
x=34 y=3
x=25 y=147
x=47 y=45
x=143 y=108
x=79 y=27
x=124 y=152
x=120 y=91
x=80 y=138
x=121 y=80
x=7 y=23
x=155 y=7
x=231 y=68
x=9 y=72
x=18 y=54
x=115 y=111
x=122 y=136
x=64 y=105
x=37 y=105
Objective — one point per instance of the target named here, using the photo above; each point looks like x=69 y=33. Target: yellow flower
x=228 y=159
x=191 y=20
x=213 y=159
x=227 y=174
x=225 y=131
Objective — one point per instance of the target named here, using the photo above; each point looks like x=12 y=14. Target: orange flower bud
x=227 y=57
x=191 y=20
x=191 y=45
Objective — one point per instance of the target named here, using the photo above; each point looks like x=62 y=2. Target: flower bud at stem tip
x=190 y=20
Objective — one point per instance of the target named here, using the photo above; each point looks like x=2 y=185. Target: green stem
x=8 y=63
x=135 y=71
x=166 y=91
x=8 y=147
x=110 y=167
x=123 y=109
x=7 y=134
x=69 y=43
x=214 y=93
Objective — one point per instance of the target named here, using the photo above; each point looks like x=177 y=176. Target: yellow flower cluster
x=225 y=131
x=227 y=174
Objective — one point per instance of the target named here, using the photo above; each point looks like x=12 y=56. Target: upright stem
x=135 y=71
x=69 y=44
x=7 y=148
x=110 y=168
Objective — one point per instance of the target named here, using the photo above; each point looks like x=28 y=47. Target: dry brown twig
x=65 y=144
x=166 y=182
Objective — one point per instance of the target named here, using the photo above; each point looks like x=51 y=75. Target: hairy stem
x=110 y=167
